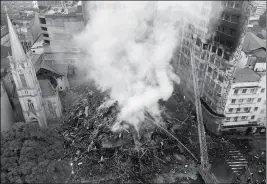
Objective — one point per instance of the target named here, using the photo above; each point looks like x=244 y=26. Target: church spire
x=18 y=54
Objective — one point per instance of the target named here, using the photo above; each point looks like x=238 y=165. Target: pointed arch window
x=30 y=105
x=23 y=80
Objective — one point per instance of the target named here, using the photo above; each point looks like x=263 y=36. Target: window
x=231 y=110
x=209 y=69
x=235 y=118
x=236 y=91
x=229 y=44
x=214 y=76
x=244 y=117
x=233 y=100
x=42 y=20
x=46 y=35
x=255 y=108
x=250 y=99
x=259 y=99
x=23 y=80
x=231 y=4
x=228 y=119
x=221 y=78
x=235 y=18
x=227 y=17
x=244 y=90
x=241 y=100
x=262 y=90
x=44 y=28
x=30 y=105
x=223 y=28
x=252 y=117
x=219 y=53
x=231 y=32
x=247 y=109
x=238 y=110
x=252 y=90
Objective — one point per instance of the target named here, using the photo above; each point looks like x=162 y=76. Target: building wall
x=63 y=83
x=59 y=28
x=7 y=115
x=261 y=116
x=53 y=107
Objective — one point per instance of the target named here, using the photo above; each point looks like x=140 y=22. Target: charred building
x=216 y=44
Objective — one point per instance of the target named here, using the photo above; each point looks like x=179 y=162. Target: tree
x=262 y=20
x=30 y=154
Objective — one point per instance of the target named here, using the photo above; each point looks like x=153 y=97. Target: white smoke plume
x=129 y=47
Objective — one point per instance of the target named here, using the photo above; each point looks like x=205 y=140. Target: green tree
x=30 y=154
x=262 y=20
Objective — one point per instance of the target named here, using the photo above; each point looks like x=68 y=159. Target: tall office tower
x=216 y=44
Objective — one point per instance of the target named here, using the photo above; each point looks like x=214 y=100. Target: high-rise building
x=59 y=24
x=216 y=56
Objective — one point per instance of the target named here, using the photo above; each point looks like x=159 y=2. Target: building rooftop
x=71 y=9
x=52 y=66
x=246 y=75
x=252 y=42
x=47 y=88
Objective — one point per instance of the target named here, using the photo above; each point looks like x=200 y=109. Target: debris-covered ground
x=151 y=155
x=98 y=154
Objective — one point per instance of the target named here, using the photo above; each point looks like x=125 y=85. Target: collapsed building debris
x=158 y=152
x=98 y=154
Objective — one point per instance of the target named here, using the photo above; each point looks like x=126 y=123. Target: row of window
x=244 y=110
x=249 y=100
x=240 y=118
x=232 y=4
x=226 y=30
x=246 y=91
x=230 y=18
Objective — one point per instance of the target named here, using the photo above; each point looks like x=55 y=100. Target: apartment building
x=216 y=57
x=58 y=24
x=245 y=108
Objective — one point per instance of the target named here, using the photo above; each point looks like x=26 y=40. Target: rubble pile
x=99 y=155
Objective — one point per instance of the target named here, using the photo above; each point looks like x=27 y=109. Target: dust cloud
x=129 y=47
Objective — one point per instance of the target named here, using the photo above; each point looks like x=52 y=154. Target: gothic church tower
x=27 y=85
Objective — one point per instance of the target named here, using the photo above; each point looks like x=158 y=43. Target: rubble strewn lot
x=151 y=155
x=100 y=155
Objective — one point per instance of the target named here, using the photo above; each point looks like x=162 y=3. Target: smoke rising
x=129 y=47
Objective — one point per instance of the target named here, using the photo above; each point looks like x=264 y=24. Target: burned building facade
x=217 y=52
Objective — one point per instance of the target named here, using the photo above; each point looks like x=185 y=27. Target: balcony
x=234 y=114
x=242 y=105
x=234 y=123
